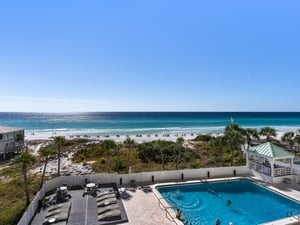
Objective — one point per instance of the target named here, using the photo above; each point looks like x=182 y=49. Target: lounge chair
x=109 y=191
x=60 y=223
x=107 y=208
x=56 y=218
x=59 y=206
x=106 y=202
x=110 y=215
x=101 y=198
x=57 y=211
x=58 y=214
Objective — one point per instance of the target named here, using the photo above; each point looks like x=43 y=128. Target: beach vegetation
x=12 y=198
x=129 y=143
x=108 y=146
x=179 y=149
x=102 y=160
x=268 y=132
x=45 y=153
x=19 y=137
x=24 y=160
x=9 y=171
x=203 y=137
x=289 y=139
x=297 y=139
x=250 y=134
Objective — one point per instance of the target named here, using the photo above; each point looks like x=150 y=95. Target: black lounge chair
x=56 y=218
x=107 y=208
x=101 y=198
x=59 y=206
x=108 y=191
x=106 y=202
x=58 y=214
x=110 y=215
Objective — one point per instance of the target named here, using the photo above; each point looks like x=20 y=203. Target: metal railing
x=294 y=213
x=165 y=208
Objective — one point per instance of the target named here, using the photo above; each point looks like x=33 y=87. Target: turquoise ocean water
x=132 y=123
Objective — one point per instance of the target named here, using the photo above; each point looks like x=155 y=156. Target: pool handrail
x=167 y=211
x=294 y=213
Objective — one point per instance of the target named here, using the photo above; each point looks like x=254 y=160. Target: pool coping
x=162 y=202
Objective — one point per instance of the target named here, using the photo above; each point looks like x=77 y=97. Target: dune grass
x=12 y=197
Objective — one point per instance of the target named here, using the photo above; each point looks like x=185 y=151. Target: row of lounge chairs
x=58 y=214
x=107 y=206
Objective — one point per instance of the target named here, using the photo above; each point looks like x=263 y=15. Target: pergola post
x=292 y=165
x=272 y=168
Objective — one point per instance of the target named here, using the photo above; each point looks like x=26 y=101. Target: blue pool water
x=204 y=203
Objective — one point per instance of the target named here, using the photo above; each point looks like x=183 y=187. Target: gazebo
x=270 y=162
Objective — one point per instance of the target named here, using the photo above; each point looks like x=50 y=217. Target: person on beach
x=178 y=214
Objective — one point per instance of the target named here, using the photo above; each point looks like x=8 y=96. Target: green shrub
x=203 y=137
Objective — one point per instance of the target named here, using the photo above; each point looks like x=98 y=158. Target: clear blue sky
x=164 y=55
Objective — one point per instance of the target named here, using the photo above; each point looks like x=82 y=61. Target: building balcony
x=14 y=148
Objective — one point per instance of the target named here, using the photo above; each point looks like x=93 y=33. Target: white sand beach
x=118 y=138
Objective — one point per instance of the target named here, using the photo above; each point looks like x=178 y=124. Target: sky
x=150 y=55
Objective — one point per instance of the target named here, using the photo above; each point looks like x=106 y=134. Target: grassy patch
x=12 y=199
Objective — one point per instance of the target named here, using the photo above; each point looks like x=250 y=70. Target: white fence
x=125 y=179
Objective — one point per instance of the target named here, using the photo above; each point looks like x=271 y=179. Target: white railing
x=282 y=171
x=260 y=168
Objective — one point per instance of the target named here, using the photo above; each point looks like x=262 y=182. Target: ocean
x=133 y=123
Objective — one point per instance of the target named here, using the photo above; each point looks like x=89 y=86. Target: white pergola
x=270 y=160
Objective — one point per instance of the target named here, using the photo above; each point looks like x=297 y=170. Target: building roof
x=270 y=150
x=4 y=129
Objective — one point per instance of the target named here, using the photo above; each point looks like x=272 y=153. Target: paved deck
x=142 y=208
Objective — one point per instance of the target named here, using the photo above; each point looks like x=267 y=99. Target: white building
x=11 y=140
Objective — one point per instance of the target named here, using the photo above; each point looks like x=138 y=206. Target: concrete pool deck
x=142 y=207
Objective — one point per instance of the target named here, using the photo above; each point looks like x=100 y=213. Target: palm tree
x=25 y=159
x=19 y=137
x=179 y=148
x=234 y=138
x=45 y=153
x=107 y=146
x=59 y=141
x=268 y=132
x=297 y=139
x=128 y=143
x=250 y=134
x=218 y=144
x=289 y=137
x=161 y=145
x=118 y=151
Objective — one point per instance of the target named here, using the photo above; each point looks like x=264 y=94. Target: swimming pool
x=204 y=203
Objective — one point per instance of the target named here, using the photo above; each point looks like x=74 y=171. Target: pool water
x=204 y=203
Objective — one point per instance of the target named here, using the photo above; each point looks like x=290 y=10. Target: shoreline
x=118 y=138
x=139 y=138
